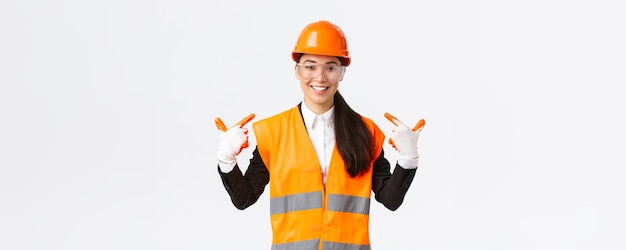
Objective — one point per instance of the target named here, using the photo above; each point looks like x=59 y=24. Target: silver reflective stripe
x=347 y=203
x=295 y=202
x=299 y=245
x=344 y=246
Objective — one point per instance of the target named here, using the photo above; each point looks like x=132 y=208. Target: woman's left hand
x=404 y=139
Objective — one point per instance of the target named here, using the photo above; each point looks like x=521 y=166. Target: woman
x=321 y=158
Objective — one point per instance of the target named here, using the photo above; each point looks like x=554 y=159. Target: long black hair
x=355 y=142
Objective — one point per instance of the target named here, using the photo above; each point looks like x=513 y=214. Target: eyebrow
x=313 y=61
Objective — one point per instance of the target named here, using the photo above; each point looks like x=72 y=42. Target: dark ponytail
x=355 y=142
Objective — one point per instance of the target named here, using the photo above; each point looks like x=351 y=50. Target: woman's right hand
x=232 y=140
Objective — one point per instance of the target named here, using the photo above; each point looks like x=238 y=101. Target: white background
x=107 y=139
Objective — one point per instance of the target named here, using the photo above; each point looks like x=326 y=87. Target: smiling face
x=319 y=78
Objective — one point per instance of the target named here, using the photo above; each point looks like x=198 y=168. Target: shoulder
x=375 y=130
x=276 y=119
x=369 y=123
x=377 y=133
x=278 y=116
x=367 y=119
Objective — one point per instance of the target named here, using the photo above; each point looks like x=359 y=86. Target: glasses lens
x=312 y=70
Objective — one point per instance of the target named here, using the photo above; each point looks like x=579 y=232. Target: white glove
x=404 y=140
x=232 y=141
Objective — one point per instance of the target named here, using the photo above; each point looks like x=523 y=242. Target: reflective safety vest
x=304 y=214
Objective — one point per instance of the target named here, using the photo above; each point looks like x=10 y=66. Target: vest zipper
x=324 y=209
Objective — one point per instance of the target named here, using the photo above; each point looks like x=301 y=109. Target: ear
x=295 y=72
x=343 y=72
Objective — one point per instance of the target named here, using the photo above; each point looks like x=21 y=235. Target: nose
x=321 y=77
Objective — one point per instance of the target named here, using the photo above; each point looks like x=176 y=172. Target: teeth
x=319 y=88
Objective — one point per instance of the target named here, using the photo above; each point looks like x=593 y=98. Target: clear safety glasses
x=331 y=72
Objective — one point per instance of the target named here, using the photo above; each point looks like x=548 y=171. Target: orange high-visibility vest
x=304 y=214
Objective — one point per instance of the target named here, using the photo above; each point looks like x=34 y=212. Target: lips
x=319 y=88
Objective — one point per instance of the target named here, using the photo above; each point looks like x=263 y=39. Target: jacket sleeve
x=245 y=190
x=390 y=189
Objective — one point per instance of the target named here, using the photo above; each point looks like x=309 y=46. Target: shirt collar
x=309 y=116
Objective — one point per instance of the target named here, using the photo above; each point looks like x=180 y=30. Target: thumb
x=420 y=125
x=220 y=124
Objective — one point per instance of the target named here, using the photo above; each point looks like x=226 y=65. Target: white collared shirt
x=321 y=129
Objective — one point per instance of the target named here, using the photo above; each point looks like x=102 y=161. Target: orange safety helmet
x=322 y=38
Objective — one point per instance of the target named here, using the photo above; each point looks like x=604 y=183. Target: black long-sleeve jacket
x=244 y=190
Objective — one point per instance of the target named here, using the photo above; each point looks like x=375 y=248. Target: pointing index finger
x=245 y=120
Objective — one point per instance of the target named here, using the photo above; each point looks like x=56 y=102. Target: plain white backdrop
x=107 y=138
